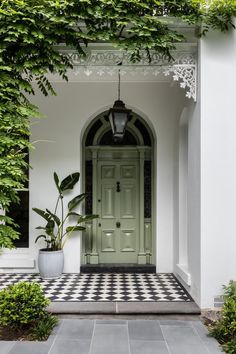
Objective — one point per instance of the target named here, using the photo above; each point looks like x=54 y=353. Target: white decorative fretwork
x=185 y=71
x=182 y=67
x=187 y=77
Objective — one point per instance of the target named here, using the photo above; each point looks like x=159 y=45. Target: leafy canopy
x=29 y=33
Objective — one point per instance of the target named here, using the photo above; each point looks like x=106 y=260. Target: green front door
x=118 y=207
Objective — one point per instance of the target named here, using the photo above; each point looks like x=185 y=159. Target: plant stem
x=67 y=234
x=56 y=205
x=62 y=218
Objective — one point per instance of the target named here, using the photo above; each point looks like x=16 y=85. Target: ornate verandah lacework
x=101 y=62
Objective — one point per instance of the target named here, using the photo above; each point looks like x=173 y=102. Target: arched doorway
x=118 y=180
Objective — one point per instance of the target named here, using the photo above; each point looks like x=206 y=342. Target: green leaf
x=50 y=227
x=56 y=180
x=76 y=200
x=73 y=214
x=69 y=181
x=75 y=228
x=54 y=217
x=43 y=214
x=40 y=236
x=85 y=218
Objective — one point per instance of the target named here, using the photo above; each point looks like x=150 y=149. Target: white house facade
x=166 y=196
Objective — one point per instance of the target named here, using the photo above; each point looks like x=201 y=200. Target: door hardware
x=118 y=186
x=99 y=224
x=99 y=200
x=118 y=224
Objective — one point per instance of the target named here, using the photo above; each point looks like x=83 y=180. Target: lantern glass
x=118 y=120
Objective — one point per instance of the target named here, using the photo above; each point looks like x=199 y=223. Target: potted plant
x=56 y=232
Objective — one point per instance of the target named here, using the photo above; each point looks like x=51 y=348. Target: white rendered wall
x=194 y=200
x=67 y=115
x=218 y=156
x=183 y=194
x=187 y=256
x=181 y=203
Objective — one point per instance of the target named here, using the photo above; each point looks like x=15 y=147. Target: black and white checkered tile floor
x=106 y=287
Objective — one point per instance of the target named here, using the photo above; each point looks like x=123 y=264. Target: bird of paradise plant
x=56 y=232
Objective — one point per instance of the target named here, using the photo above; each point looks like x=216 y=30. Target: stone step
x=124 y=308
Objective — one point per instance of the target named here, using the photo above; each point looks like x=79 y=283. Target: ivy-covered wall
x=29 y=31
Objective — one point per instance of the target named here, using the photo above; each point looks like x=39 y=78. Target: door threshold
x=118 y=268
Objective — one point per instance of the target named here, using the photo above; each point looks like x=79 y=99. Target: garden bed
x=7 y=333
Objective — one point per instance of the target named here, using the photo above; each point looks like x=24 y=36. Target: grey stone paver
x=70 y=346
x=175 y=323
x=110 y=339
x=148 y=347
x=112 y=322
x=5 y=346
x=111 y=336
x=76 y=329
x=202 y=332
x=183 y=340
x=214 y=347
x=30 y=348
x=145 y=330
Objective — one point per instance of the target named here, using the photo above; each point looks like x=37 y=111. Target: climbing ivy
x=29 y=33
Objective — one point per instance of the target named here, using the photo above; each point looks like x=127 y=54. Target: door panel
x=108 y=171
x=128 y=242
x=108 y=241
x=108 y=201
x=128 y=201
x=128 y=171
x=118 y=192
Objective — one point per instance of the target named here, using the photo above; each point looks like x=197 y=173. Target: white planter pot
x=50 y=263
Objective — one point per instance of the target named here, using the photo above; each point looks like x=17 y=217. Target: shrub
x=22 y=305
x=224 y=330
x=44 y=327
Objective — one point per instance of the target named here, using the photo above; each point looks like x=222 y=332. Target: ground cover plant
x=224 y=329
x=29 y=33
x=23 y=314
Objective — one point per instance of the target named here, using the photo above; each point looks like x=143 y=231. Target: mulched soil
x=7 y=333
x=208 y=317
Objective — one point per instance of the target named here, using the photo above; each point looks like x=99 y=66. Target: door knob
x=118 y=186
x=118 y=224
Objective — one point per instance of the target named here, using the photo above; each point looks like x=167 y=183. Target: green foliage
x=22 y=305
x=55 y=232
x=216 y=14
x=29 y=33
x=224 y=330
x=7 y=233
x=44 y=327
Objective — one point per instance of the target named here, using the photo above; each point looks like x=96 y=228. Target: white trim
x=10 y=262
x=15 y=251
x=183 y=273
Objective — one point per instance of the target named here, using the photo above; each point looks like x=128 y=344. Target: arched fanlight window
x=136 y=133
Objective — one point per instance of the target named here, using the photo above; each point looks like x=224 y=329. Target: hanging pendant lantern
x=118 y=117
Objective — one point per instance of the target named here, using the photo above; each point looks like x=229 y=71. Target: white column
x=94 y=254
x=182 y=265
x=142 y=259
